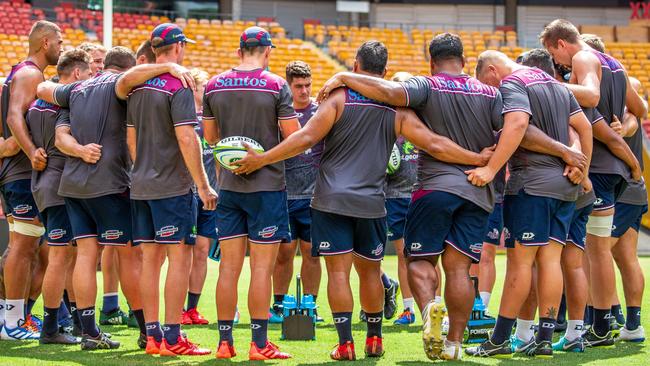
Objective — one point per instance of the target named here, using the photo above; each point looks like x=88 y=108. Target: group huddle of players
x=122 y=159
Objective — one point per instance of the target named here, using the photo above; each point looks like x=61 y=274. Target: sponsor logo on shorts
x=340 y=320
x=506 y=233
x=378 y=250
x=493 y=234
x=112 y=234
x=476 y=247
x=167 y=231
x=225 y=327
x=613 y=227
x=324 y=245
x=416 y=246
x=598 y=202
x=255 y=326
x=268 y=232
x=56 y=234
x=22 y=209
x=527 y=236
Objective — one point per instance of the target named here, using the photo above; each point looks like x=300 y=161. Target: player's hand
x=209 y=198
x=39 y=159
x=617 y=126
x=486 y=154
x=574 y=174
x=8 y=147
x=586 y=185
x=183 y=75
x=91 y=153
x=574 y=158
x=480 y=176
x=637 y=173
x=330 y=85
x=250 y=163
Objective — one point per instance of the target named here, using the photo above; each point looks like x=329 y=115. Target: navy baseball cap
x=255 y=37
x=170 y=34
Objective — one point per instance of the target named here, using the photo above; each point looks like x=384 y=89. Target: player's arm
x=440 y=147
x=190 y=146
x=615 y=143
x=630 y=125
x=585 y=79
x=131 y=138
x=381 y=90
x=579 y=122
x=288 y=126
x=23 y=93
x=140 y=74
x=634 y=103
x=67 y=144
x=537 y=141
x=8 y=147
x=314 y=131
x=45 y=91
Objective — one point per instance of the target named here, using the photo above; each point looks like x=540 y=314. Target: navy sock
x=87 y=316
x=153 y=330
x=29 y=305
x=633 y=317
x=617 y=312
x=139 y=317
x=192 y=300
x=502 y=330
x=110 y=303
x=50 y=320
x=66 y=298
x=601 y=321
x=258 y=330
x=343 y=322
x=385 y=280
x=76 y=319
x=589 y=315
x=277 y=299
x=63 y=311
x=545 y=332
x=561 y=312
x=225 y=331
x=374 y=324
x=172 y=332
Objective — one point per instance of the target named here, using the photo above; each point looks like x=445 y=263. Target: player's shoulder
x=166 y=83
x=28 y=72
x=273 y=80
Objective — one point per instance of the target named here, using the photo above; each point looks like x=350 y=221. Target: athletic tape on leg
x=28 y=229
x=11 y=226
x=600 y=225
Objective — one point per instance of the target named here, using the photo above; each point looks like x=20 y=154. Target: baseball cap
x=170 y=34
x=254 y=37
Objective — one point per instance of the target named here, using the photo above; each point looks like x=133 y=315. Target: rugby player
x=98 y=53
x=25 y=229
x=250 y=102
x=598 y=80
x=144 y=54
x=161 y=113
x=348 y=208
x=301 y=172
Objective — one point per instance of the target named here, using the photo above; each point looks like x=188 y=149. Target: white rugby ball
x=394 y=160
x=232 y=148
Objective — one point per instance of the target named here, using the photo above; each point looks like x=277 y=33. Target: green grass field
x=403 y=344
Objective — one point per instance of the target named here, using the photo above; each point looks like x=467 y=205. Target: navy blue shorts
x=534 y=220
x=262 y=216
x=18 y=200
x=206 y=221
x=300 y=219
x=107 y=218
x=396 y=209
x=578 y=229
x=627 y=217
x=495 y=225
x=436 y=219
x=164 y=221
x=58 y=231
x=335 y=234
x=607 y=187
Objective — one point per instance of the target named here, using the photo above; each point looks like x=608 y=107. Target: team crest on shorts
x=22 y=209
x=268 y=232
x=378 y=250
x=112 y=234
x=56 y=234
x=167 y=231
x=476 y=247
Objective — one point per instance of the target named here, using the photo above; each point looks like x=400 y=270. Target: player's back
x=353 y=165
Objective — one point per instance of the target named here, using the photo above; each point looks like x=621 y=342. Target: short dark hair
x=559 y=29
x=539 y=58
x=146 y=50
x=72 y=59
x=372 y=57
x=250 y=51
x=297 y=69
x=120 y=58
x=594 y=42
x=446 y=46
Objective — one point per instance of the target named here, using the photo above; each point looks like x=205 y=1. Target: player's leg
x=176 y=284
x=2 y=286
x=576 y=290
x=262 y=262
x=198 y=274
x=282 y=275
x=111 y=312
x=524 y=336
x=408 y=313
x=549 y=291
x=487 y=266
x=310 y=267
x=39 y=266
x=69 y=290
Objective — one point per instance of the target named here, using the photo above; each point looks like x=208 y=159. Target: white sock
x=524 y=330
x=14 y=311
x=574 y=329
x=438 y=300
x=409 y=303
x=2 y=312
x=485 y=297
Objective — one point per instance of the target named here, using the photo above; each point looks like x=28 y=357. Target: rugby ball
x=232 y=148
x=394 y=160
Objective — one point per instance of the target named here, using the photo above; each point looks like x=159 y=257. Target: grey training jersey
x=97 y=116
x=41 y=120
x=249 y=103
x=635 y=193
x=301 y=170
x=550 y=106
x=155 y=109
x=613 y=86
x=467 y=112
x=353 y=166
x=15 y=167
x=400 y=184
